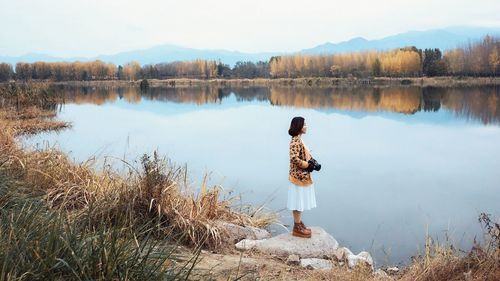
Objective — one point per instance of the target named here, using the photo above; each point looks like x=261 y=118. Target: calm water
x=397 y=162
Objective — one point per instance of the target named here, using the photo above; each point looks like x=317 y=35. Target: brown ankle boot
x=300 y=231
x=304 y=226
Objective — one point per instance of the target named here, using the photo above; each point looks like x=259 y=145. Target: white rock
x=293 y=260
x=320 y=244
x=380 y=274
x=392 y=269
x=314 y=263
x=363 y=257
x=367 y=257
x=247 y=244
x=342 y=253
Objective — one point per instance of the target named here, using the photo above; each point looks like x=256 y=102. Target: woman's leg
x=297 y=216
x=298 y=227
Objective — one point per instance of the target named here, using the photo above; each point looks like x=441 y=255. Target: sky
x=68 y=28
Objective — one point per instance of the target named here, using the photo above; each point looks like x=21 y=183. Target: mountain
x=168 y=53
x=443 y=39
x=157 y=54
x=32 y=57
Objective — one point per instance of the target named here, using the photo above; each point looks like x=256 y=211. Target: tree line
x=98 y=70
x=480 y=58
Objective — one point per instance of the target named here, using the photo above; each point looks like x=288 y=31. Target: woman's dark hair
x=296 y=126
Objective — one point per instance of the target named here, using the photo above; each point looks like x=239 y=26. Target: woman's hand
x=310 y=166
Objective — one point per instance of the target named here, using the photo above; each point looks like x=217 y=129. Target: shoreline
x=444 y=81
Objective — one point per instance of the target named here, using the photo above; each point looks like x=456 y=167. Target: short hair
x=296 y=126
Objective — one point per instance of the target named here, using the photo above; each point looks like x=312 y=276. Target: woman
x=301 y=195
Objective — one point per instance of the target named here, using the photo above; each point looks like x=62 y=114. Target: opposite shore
x=445 y=81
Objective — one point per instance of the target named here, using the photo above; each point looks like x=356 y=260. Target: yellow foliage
x=395 y=63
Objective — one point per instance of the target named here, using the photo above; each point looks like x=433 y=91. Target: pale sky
x=93 y=27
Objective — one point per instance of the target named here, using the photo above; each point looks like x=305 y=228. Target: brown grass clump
x=444 y=262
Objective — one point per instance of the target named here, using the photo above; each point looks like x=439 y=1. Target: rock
x=380 y=274
x=320 y=244
x=342 y=253
x=366 y=256
x=393 y=270
x=363 y=257
x=314 y=263
x=237 y=232
x=293 y=260
x=247 y=244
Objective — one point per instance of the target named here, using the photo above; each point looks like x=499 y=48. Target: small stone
x=366 y=256
x=380 y=274
x=314 y=263
x=363 y=257
x=247 y=244
x=342 y=253
x=293 y=260
x=393 y=270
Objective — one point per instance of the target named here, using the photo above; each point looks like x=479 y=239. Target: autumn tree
x=494 y=61
x=6 y=72
x=131 y=70
x=478 y=58
x=401 y=62
x=23 y=71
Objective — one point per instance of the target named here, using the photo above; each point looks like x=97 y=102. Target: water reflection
x=471 y=103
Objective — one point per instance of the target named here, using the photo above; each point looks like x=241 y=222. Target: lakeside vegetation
x=476 y=59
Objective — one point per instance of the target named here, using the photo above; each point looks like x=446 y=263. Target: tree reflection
x=474 y=103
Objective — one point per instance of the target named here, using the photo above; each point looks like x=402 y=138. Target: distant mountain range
x=445 y=38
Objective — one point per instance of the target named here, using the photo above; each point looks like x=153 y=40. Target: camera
x=313 y=165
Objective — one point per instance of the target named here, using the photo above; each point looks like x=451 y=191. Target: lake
x=398 y=162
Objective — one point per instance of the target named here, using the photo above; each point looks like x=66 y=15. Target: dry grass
x=445 y=262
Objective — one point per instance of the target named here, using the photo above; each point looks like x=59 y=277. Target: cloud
x=87 y=28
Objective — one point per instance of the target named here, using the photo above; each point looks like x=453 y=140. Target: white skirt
x=301 y=198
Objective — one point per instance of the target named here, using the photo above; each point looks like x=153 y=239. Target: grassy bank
x=333 y=82
x=61 y=220
x=445 y=81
